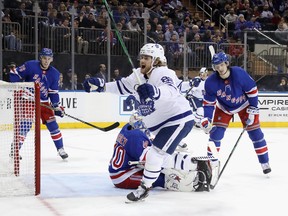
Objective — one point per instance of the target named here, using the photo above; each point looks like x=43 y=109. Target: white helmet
x=203 y=70
x=154 y=50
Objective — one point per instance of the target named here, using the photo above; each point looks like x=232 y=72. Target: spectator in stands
x=102 y=40
x=74 y=84
x=231 y=18
x=281 y=32
x=253 y=23
x=195 y=30
x=133 y=25
x=102 y=73
x=52 y=18
x=116 y=75
x=240 y=25
x=207 y=36
x=207 y=26
x=198 y=49
x=20 y=13
x=13 y=40
x=102 y=17
x=82 y=44
x=171 y=31
x=266 y=15
x=123 y=23
x=61 y=9
x=120 y=12
x=173 y=51
x=196 y=19
x=283 y=85
x=92 y=23
x=83 y=20
x=151 y=35
x=61 y=84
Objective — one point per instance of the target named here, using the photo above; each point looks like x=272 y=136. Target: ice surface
x=81 y=186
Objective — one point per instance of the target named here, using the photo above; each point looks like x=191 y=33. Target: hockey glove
x=147 y=91
x=94 y=83
x=252 y=112
x=58 y=110
x=194 y=82
x=131 y=100
x=206 y=126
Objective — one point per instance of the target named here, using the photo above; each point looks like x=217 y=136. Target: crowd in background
x=168 y=21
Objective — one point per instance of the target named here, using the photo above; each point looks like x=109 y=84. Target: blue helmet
x=46 y=52
x=220 y=57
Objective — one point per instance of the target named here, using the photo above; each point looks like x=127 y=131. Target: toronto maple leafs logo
x=146 y=107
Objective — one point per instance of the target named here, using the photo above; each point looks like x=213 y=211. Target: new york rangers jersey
x=130 y=146
x=232 y=94
x=48 y=80
x=171 y=109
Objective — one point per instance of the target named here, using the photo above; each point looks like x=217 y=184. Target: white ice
x=81 y=185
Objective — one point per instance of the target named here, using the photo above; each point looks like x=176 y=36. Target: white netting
x=17 y=139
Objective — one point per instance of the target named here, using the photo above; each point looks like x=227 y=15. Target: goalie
x=180 y=171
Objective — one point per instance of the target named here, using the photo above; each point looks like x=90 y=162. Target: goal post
x=19 y=139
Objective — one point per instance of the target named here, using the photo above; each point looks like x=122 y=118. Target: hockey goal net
x=19 y=139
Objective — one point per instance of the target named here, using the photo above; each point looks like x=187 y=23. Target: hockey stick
x=121 y=39
x=221 y=172
x=212 y=51
x=105 y=129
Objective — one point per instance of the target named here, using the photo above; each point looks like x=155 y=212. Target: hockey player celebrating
x=165 y=111
x=228 y=91
x=195 y=96
x=41 y=72
x=180 y=171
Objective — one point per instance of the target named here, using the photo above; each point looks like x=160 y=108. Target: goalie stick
x=105 y=129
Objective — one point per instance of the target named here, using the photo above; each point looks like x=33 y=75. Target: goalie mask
x=135 y=121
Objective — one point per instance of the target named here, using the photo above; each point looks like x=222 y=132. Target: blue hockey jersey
x=130 y=145
x=48 y=80
x=232 y=94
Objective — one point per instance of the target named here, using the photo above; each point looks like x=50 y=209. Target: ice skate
x=139 y=194
x=62 y=153
x=266 y=168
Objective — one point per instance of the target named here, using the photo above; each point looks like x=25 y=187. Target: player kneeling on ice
x=166 y=113
x=228 y=91
x=180 y=171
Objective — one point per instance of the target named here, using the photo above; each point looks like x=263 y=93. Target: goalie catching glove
x=94 y=84
x=58 y=110
x=252 y=113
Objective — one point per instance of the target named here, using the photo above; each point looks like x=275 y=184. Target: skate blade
x=138 y=201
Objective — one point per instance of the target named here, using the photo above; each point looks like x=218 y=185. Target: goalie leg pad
x=177 y=180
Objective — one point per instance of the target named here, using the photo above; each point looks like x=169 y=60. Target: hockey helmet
x=46 y=52
x=218 y=58
x=154 y=50
x=135 y=121
x=203 y=70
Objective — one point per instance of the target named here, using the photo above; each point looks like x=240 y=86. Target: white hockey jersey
x=170 y=109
